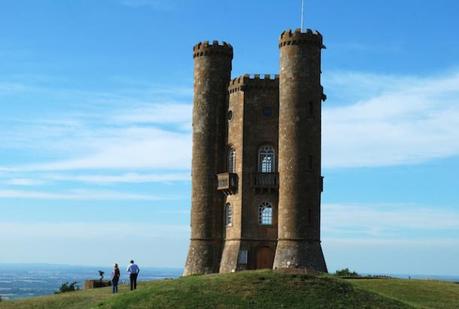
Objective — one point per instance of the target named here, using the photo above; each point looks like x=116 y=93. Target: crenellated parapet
x=255 y=81
x=299 y=37
x=214 y=48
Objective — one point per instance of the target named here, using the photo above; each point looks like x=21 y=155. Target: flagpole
x=302 y=15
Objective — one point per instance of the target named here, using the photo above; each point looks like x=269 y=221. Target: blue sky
x=95 y=126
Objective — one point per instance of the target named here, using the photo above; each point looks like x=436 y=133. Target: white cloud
x=100 y=179
x=85 y=230
x=387 y=220
x=24 y=182
x=391 y=238
x=409 y=120
x=384 y=120
x=163 y=113
x=80 y=195
x=131 y=148
x=118 y=148
x=122 y=178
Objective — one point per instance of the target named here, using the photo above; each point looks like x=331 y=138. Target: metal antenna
x=302 y=15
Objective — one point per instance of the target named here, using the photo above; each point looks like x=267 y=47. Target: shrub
x=346 y=273
x=68 y=287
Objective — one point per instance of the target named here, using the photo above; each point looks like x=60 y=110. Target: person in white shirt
x=133 y=271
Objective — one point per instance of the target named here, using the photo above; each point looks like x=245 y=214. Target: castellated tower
x=256 y=169
x=212 y=73
x=300 y=117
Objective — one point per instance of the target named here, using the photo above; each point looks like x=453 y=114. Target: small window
x=228 y=215
x=266 y=159
x=230 y=115
x=265 y=214
x=231 y=160
x=310 y=162
x=243 y=257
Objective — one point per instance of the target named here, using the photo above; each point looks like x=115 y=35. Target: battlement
x=299 y=37
x=254 y=81
x=214 y=48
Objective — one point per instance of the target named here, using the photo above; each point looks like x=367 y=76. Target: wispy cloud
x=23 y=182
x=129 y=149
x=390 y=238
x=408 y=120
x=80 y=195
x=88 y=230
x=121 y=178
x=99 y=179
x=164 y=113
x=376 y=221
x=384 y=120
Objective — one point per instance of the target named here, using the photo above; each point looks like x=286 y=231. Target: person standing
x=115 y=278
x=133 y=271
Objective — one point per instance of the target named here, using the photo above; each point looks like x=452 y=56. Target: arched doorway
x=265 y=257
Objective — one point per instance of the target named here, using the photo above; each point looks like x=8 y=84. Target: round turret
x=212 y=74
x=300 y=96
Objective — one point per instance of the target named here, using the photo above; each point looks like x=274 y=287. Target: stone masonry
x=256 y=168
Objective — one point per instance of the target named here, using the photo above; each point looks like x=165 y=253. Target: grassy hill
x=260 y=289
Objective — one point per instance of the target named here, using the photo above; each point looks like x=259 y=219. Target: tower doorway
x=265 y=258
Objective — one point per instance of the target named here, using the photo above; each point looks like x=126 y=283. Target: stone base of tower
x=203 y=257
x=299 y=254
x=230 y=256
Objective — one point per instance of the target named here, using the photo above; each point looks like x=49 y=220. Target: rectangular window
x=265 y=214
x=266 y=159
x=228 y=215
x=243 y=257
x=232 y=160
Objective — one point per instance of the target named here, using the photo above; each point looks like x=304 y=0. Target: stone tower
x=212 y=73
x=256 y=169
x=300 y=117
x=250 y=181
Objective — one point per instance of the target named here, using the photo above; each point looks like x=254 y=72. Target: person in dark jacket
x=115 y=278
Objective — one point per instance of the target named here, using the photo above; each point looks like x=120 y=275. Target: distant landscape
x=29 y=280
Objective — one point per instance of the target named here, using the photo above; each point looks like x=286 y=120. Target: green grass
x=258 y=289
x=417 y=293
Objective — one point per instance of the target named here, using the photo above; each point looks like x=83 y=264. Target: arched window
x=266 y=159
x=228 y=215
x=265 y=214
x=231 y=160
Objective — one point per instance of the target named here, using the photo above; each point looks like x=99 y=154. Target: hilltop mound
x=254 y=289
